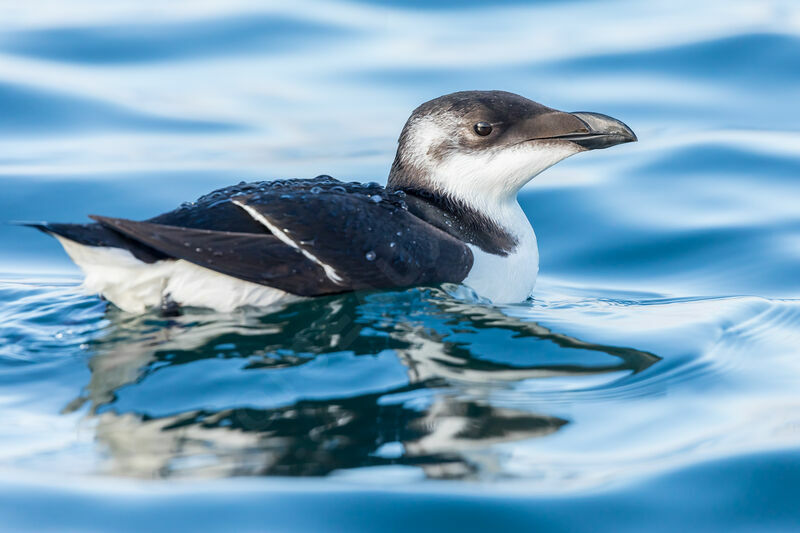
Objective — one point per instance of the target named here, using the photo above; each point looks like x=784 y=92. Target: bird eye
x=483 y=128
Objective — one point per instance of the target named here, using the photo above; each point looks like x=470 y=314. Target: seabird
x=449 y=213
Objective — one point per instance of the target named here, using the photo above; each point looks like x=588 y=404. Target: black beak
x=590 y=131
x=603 y=131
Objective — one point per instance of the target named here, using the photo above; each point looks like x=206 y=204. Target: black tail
x=98 y=235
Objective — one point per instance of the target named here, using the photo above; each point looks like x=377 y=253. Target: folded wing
x=261 y=259
x=315 y=241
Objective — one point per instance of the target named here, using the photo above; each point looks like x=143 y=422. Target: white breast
x=510 y=278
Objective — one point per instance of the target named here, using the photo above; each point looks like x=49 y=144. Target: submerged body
x=449 y=213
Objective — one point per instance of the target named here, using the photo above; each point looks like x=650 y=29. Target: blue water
x=653 y=383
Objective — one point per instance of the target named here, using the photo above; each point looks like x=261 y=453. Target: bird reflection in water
x=359 y=380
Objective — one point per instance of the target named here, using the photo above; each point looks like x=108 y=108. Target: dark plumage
x=389 y=245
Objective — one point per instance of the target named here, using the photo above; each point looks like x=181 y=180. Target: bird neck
x=498 y=230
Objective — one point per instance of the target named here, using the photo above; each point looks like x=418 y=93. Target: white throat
x=507 y=278
x=492 y=178
x=489 y=184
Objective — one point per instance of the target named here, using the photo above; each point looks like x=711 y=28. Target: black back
x=335 y=237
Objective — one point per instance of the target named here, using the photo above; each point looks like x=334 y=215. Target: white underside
x=510 y=278
x=503 y=280
x=134 y=286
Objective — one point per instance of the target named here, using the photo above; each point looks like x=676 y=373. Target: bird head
x=481 y=147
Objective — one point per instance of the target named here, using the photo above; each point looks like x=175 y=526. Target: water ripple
x=748 y=59
x=33 y=111
x=132 y=43
x=443 y=382
x=643 y=368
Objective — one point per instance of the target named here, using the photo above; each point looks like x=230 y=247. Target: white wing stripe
x=284 y=238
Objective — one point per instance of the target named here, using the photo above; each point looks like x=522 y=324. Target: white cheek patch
x=479 y=177
x=487 y=180
x=491 y=177
x=424 y=133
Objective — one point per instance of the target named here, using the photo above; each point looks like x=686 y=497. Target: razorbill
x=448 y=213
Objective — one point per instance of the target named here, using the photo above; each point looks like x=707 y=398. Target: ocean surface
x=651 y=384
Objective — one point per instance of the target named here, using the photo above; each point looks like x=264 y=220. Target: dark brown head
x=481 y=146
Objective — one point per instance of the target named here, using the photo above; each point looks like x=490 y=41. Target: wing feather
x=367 y=243
x=315 y=238
x=259 y=258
